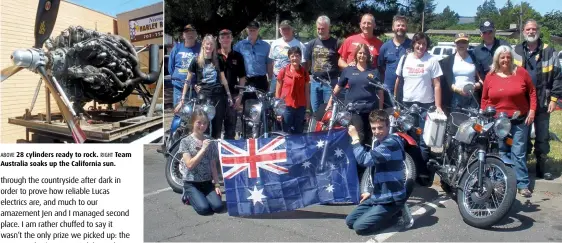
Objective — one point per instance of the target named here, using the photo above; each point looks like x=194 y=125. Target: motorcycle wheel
x=411 y=174
x=173 y=172
x=474 y=207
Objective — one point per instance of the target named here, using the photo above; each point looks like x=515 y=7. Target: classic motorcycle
x=259 y=115
x=174 y=166
x=484 y=182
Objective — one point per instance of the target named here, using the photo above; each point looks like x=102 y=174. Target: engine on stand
x=91 y=65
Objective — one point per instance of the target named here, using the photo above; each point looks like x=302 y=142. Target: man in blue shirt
x=181 y=57
x=259 y=68
x=392 y=50
x=387 y=197
x=484 y=54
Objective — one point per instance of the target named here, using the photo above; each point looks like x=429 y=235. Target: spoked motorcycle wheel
x=482 y=209
x=410 y=174
x=174 y=170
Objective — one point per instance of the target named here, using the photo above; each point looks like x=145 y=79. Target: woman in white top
x=418 y=82
x=458 y=71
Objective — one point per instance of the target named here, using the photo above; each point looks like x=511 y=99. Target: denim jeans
x=458 y=101
x=518 y=153
x=202 y=197
x=421 y=123
x=319 y=93
x=368 y=216
x=293 y=120
x=272 y=84
x=178 y=90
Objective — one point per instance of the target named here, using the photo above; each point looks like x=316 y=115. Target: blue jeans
x=458 y=101
x=421 y=123
x=368 y=216
x=272 y=84
x=319 y=93
x=518 y=153
x=202 y=197
x=293 y=120
x=178 y=90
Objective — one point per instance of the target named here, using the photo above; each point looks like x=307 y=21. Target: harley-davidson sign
x=147 y=27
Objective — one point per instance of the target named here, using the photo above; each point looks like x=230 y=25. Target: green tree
x=445 y=19
x=487 y=11
x=507 y=17
x=553 y=20
x=413 y=9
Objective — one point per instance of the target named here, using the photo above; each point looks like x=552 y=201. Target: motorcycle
x=260 y=115
x=174 y=166
x=469 y=165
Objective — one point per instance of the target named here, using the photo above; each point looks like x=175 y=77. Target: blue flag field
x=268 y=175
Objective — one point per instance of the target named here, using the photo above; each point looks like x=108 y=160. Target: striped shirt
x=386 y=161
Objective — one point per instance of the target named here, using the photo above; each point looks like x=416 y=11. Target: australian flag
x=268 y=175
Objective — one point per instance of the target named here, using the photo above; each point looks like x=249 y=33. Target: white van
x=441 y=52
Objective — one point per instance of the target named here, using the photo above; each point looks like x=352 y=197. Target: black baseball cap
x=188 y=27
x=253 y=24
x=487 y=25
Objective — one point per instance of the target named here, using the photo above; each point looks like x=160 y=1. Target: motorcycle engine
x=90 y=65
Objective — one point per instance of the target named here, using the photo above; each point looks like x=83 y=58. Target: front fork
x=482 y=147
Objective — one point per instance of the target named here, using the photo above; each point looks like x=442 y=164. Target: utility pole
x=276 y=20
x=423 y=15
x=521 y=22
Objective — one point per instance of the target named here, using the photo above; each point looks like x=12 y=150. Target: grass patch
x=554 y=163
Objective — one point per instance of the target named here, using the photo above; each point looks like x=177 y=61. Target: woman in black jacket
x=459 y=70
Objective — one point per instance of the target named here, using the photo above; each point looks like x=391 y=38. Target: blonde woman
x=510 y=88
x=211 y=82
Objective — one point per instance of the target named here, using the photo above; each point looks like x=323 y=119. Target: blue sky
x=468 y=7
x=114 y=7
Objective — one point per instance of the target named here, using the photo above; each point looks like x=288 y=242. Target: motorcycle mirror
x=515 y=115
x=468 y=88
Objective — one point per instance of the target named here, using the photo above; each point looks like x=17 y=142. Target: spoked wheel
x=410 y=174
x=483 y=208
x=175 y=169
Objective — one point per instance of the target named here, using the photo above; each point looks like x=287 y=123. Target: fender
x=408 y=138
x=503 y=158
x=174 y=144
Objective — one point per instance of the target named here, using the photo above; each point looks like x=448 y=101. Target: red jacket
x=509 y=94
x=293 y=86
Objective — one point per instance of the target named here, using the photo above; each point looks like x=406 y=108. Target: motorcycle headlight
x=186 y=111
x=407 y=122
x=502 y=127
x=255 y=112
x=209 y=110
x=344 y=118
x=414 y=109
x=279 y=106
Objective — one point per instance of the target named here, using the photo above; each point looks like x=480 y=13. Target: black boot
x=541 y=168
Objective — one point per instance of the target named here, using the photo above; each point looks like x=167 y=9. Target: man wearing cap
x=322 y=55
x=256 y=58
x=485 y=52
x=347 y=50
x=232 y=63
x=458 y=70
x=179 y=61
x=181 y=57
x=542 y=64
x=279 y=49
x=392 y=50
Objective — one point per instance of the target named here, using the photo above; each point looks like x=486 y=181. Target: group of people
x=526 y=78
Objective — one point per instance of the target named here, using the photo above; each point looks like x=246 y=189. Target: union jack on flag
x=250 y=155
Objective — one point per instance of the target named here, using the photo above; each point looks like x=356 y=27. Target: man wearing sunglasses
x=485 y=52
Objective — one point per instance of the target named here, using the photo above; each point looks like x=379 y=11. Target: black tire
x=411 y=174
x=173 y=175
x=505 y=205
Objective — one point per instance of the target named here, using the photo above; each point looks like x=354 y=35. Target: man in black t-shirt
x=232 y=63
x=322 y=57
